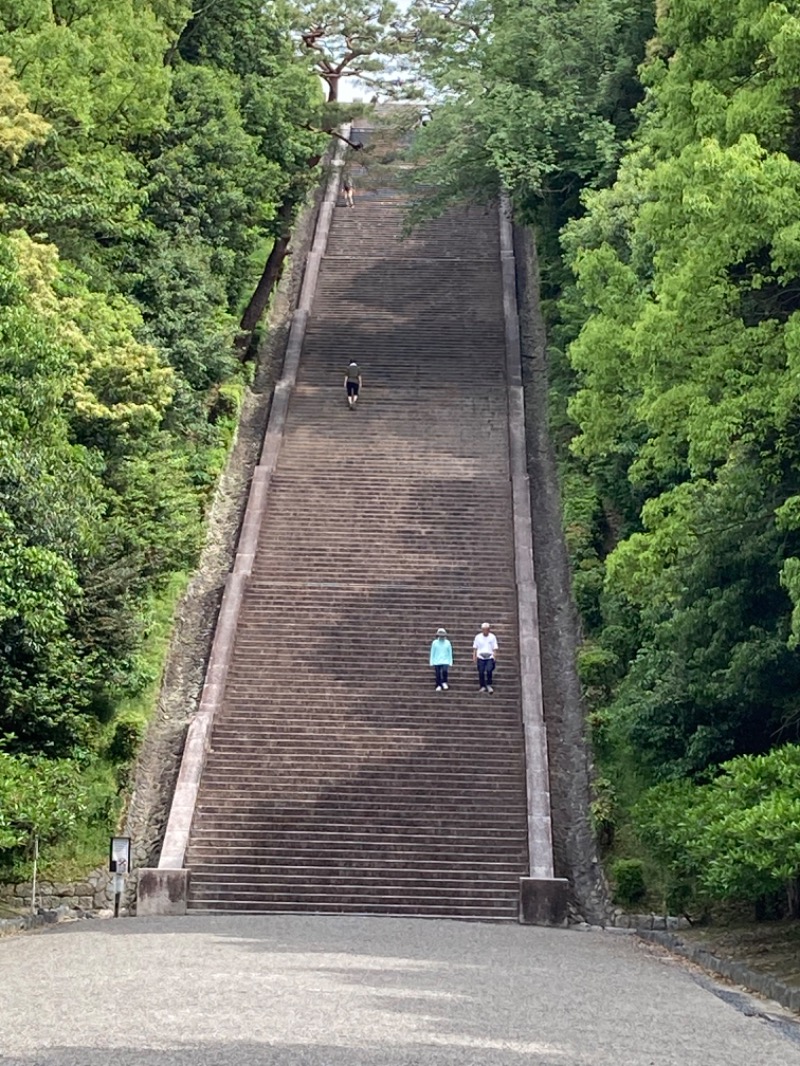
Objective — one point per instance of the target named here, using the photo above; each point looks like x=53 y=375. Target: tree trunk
x=274 y=265
x=333 y=88
x=793 y=897
x=272 y=272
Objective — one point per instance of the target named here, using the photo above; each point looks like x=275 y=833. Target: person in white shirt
x=484 y=653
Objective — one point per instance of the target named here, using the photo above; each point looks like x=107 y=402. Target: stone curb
x=24 y=922
x=27 y=921
x=176 y=837
x=730 y=969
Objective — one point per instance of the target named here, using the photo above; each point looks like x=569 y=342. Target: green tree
x=95 y=72
x=361 y=39
x=38 y=798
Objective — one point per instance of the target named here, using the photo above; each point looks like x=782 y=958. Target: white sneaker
x=490 y=689
x=445 y=687
x=483 y=690
x=438 y=688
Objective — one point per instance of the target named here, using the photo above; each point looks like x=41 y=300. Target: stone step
x=355 y=720
x=402 y=824
x=366 y=869
x=417 y=908
x=362 y=798
x=254 y=738
x=349 y=825
x=266 y=847
x=472 y=900
x=305 y=733
x=370 y=783
x=340 y=751
x=254 y=835
x=351 y=891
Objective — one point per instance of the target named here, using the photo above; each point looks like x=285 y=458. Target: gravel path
x=309 y=991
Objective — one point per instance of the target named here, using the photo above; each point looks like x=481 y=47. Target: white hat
x=441 y=632
x=485 y=625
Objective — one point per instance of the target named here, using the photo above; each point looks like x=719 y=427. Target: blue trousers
x=485 y=671
x=441 y=674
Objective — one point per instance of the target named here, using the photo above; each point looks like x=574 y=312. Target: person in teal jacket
x=441 y=659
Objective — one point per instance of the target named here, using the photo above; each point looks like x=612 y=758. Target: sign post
x=119 y=863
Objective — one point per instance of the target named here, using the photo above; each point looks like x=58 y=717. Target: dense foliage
x=655 y=147
x=536 y=95
x=687 y=413
x=146 y=153
x=737 y=837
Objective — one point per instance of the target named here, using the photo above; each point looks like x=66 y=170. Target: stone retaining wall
x=620 y=919
x=94 y=893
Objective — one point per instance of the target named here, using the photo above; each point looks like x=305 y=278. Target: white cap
x=485 y=625
x=441 y=632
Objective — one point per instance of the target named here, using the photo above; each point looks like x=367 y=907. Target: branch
x=355 y=145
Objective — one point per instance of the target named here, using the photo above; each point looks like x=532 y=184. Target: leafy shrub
x=604 y=810
x=125 y=740
x=597 y=667
x=629 y=881
x=738 y=837
x=587 y=587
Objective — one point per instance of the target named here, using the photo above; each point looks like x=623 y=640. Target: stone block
x=161 y=892
x=659 y=922
x=725 y=968
x=543 y=900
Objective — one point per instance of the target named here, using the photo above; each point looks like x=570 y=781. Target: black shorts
x=352 y=388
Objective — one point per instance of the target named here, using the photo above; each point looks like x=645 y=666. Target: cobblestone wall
x=95 y=893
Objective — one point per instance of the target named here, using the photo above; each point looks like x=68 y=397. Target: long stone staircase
x=337 y=779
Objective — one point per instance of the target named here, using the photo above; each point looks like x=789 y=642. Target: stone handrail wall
x=540 y=835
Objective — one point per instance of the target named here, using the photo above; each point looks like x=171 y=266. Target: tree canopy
x=682 y=326
x=361 y=39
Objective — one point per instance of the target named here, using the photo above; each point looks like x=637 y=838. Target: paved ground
x=308 y=991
